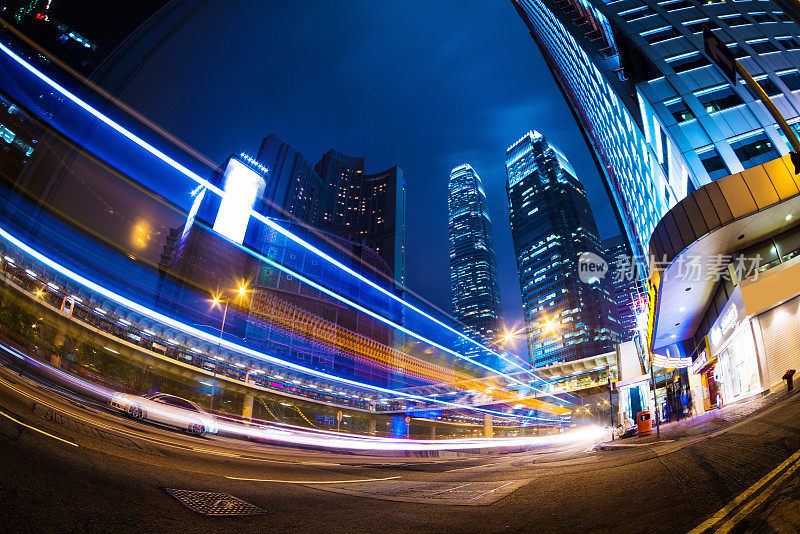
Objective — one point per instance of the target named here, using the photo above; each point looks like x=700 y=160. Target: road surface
x=72 y=465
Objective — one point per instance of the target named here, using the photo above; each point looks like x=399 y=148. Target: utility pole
x=655 y=398
x=219 y=354
x=790 y=134
x=722 y=56
x=610 y=400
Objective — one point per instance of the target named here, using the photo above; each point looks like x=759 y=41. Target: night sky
x=424 y=85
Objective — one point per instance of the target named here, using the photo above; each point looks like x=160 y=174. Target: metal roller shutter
x=780 y=328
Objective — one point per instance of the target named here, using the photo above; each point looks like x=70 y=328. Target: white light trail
x=177 y=325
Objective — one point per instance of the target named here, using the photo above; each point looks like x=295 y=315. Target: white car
x=168 y=410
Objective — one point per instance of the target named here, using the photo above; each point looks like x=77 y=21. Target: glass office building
x=474 y=284
x=661 y=119
x=552 y=226
x=365 y=208
x=627 y=292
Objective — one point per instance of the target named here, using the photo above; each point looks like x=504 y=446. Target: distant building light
x=254 y=162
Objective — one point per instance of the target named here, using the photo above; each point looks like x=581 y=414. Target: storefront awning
x=714 y=221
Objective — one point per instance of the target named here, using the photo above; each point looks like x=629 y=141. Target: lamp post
x=655 y=397
x=548 y=326
x=215 y=301
x=610 y=400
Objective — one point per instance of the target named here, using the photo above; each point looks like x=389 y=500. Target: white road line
x=38 y=430
x=313 y=481
x=465 y=468
x=725 y=510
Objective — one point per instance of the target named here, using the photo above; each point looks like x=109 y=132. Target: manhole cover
x=214 y=504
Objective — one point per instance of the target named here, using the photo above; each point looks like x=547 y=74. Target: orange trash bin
x=644 y=425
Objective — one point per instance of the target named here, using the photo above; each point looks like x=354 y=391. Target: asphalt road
x=68 y=465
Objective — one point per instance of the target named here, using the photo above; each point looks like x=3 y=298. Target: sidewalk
x=704 y=424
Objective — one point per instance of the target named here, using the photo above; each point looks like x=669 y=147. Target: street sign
x=339 y=416
x=408 y=419
x=326 y=420
x=720 y=54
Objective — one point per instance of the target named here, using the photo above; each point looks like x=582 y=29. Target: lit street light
x=216 y=300
x=546 y=327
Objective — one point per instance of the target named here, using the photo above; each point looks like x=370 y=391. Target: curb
x=614 y=446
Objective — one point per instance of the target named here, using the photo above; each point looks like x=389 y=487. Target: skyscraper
x=365 y=208
x=474 y=285
x=660 y=118
x=552 y=225
x=294 y=189
x=625 y=284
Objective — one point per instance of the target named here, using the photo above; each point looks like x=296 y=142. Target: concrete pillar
x=488 y=432
x=433 y=432
x=247 y=409
x=372 y=426
x=59 y=339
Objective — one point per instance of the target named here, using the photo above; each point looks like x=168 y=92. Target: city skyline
x=425 y=133
x=400 y=266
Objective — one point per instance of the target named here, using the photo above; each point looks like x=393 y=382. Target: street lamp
x=547 y=327
x=216 y=300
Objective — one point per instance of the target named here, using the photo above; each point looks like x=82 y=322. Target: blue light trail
x=278 y=228
x=211 y=338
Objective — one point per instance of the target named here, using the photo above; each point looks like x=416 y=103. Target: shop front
x=779 y=329
x=634 y=396
x=735 y=373
x=710 y=394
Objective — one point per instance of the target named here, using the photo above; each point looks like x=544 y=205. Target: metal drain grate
x=213 y=503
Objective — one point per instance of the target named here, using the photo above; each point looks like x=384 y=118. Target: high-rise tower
x=294 y=189
x=365 y=208
x=627 y=291
x=474 y=285
x=660 y=118
x=552 y=227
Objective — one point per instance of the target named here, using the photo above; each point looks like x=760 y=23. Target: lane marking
x=313 y=481
x=749 y=507
x=465 y=468
x=38 y=430
x=725 y=510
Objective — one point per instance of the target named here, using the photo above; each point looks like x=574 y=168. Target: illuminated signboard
x=729 y=319
x=715 y=335
x=701 y=360
x=241 y=188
